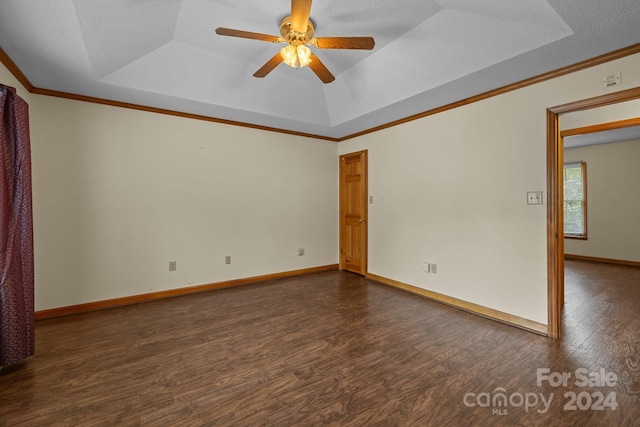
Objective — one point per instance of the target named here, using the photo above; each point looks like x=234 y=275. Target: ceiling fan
x=297 y=31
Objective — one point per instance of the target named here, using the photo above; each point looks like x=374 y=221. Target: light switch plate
x=534 y=197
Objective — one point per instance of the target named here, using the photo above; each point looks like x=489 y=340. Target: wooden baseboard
x=604 y=260
x=480 y=310
x=135 y=299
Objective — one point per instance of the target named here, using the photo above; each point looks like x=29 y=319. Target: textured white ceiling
x=631 y=133
x=165 y=53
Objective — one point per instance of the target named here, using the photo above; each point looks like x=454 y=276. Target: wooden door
x=353 y=212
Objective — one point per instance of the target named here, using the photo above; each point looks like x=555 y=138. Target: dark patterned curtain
x=17 y=339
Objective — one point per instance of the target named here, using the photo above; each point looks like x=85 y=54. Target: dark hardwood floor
x=333 y=349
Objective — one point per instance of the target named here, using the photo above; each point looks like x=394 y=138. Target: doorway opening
x=555 y=220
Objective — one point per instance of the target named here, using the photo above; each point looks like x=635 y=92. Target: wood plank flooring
x=330 y=349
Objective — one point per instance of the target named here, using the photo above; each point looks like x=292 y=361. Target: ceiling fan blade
x=344 y=43
x=269 y=66
x=248 y=35
x=321 y=71
x=300 y=11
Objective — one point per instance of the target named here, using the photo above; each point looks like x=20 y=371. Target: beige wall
x=451 y=189
x=118 y=193
x=613 y=204
x=595 y=116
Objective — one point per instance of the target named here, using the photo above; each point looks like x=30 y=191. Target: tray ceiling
x=165 y=54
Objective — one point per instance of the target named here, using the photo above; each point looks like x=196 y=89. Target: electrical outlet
x=300 y=251
x=227 y=259
x=429 y=267
x=172 y=266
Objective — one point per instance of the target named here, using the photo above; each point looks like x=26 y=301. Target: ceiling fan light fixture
x=296 y=53
x=296 y=56
x=304 y=55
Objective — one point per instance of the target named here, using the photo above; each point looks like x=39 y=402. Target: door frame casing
x=365 y=212
x=555 y=198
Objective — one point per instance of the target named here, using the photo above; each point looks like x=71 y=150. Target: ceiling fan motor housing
x=294 y=37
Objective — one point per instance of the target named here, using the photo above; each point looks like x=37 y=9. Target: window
x=575 y=200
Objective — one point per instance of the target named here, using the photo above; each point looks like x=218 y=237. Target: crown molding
x=611 y=56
